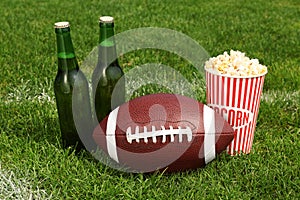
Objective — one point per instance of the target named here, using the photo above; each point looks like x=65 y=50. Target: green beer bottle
x=107 y=72
x=70 y=86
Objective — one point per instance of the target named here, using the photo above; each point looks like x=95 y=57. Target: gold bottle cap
x=61 y=25
x=106 y=19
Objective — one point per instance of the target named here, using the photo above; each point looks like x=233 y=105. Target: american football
x=165 y=132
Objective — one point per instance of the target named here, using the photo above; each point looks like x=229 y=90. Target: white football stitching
x=154 y=133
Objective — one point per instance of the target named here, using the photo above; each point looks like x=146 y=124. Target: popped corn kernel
x=235 y=63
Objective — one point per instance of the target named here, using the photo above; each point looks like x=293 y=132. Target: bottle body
x=108 y=80
x=71 y=92
x=107 y=85
x=64 y=93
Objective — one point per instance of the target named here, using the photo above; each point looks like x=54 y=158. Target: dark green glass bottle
x=66 y=93
x=107 y=75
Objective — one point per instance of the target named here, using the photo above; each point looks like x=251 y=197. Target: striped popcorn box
x=237 y=99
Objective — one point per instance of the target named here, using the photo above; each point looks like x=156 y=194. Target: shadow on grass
x=30 y=120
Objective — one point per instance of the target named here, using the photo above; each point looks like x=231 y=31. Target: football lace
x=137 y=136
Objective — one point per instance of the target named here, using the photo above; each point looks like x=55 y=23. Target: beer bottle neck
x=65 y=51
x=106 y=34
x=107 y=47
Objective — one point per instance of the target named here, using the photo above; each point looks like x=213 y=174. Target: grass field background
x=32 y=161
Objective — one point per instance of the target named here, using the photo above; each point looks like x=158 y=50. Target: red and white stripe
x=241 y=95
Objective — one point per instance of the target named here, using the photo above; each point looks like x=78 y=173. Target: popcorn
x=235 y=64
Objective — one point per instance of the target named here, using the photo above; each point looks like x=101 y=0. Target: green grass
x=31 y=157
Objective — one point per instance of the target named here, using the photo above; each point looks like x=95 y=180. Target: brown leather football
x=165 y=132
